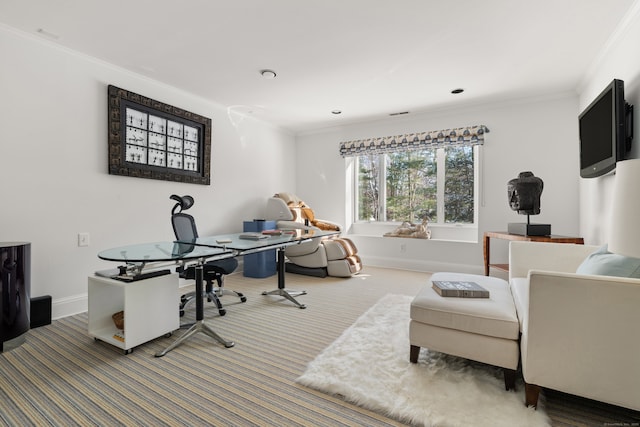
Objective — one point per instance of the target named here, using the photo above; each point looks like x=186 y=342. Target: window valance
x=466 y=136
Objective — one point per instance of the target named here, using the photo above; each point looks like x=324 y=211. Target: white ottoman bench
x=481 y=329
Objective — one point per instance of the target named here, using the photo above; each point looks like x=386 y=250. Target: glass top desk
x=200 y=250
x=162 y=252
x=241 y=246
x=138 y=256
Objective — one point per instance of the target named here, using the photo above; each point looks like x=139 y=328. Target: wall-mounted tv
x=606 y=131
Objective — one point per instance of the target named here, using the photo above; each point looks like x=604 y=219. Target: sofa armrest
x=561 y=257
x=581 y=336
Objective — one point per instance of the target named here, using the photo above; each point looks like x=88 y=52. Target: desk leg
x=199 y=325
x=487 y=254
x=281 y=290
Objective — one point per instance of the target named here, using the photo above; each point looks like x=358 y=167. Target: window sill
x=441 y=233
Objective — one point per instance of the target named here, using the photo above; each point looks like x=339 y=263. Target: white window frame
x=439 y=230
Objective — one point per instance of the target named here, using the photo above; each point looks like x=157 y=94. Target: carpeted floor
x=62 y=377
x=438 y=390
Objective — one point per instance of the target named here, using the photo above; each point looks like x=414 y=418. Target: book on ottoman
x=456 y=288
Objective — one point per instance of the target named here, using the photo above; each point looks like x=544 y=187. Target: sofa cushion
x=494 y=316
x=604 y=263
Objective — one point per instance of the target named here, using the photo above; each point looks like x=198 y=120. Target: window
x=412 y=177
x=459 y=172
x=437 y=184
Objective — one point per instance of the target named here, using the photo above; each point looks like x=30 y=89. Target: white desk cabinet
x=150 y=309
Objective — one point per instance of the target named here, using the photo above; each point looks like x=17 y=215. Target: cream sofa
x=580 y=334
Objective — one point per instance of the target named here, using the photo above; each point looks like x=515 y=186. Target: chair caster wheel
x=222 y=312
x=243 y=299
x=181 y=313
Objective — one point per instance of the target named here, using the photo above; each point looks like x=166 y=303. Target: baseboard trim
x=418 y=265
x=69 y=306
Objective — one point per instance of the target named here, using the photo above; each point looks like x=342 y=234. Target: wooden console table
x=507 y=236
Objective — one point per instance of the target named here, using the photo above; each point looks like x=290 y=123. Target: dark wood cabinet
x=488 y=235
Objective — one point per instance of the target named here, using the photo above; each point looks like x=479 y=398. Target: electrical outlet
x=403 y=248
x=83 y=239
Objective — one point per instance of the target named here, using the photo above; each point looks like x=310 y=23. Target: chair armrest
x=335 y=224
x=293 y=225
x=581 y=336
x=561 y=257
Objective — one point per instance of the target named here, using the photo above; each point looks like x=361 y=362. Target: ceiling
x=365 y=58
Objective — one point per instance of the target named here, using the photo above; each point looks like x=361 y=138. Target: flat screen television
x=606 y=131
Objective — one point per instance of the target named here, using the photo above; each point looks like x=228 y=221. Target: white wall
x=540 y=135
x=619 y=61
x=53 y=167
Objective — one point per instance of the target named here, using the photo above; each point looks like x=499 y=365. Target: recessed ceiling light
x=268 y=74
x=336 y=112
x=457 y=91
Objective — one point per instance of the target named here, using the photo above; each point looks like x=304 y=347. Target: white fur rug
x=369 y=366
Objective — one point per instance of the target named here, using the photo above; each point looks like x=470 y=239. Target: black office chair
x=184 y=227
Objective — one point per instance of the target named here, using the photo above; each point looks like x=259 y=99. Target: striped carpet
x=62 y=377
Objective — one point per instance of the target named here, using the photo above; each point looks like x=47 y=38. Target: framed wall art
x=150 y=139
